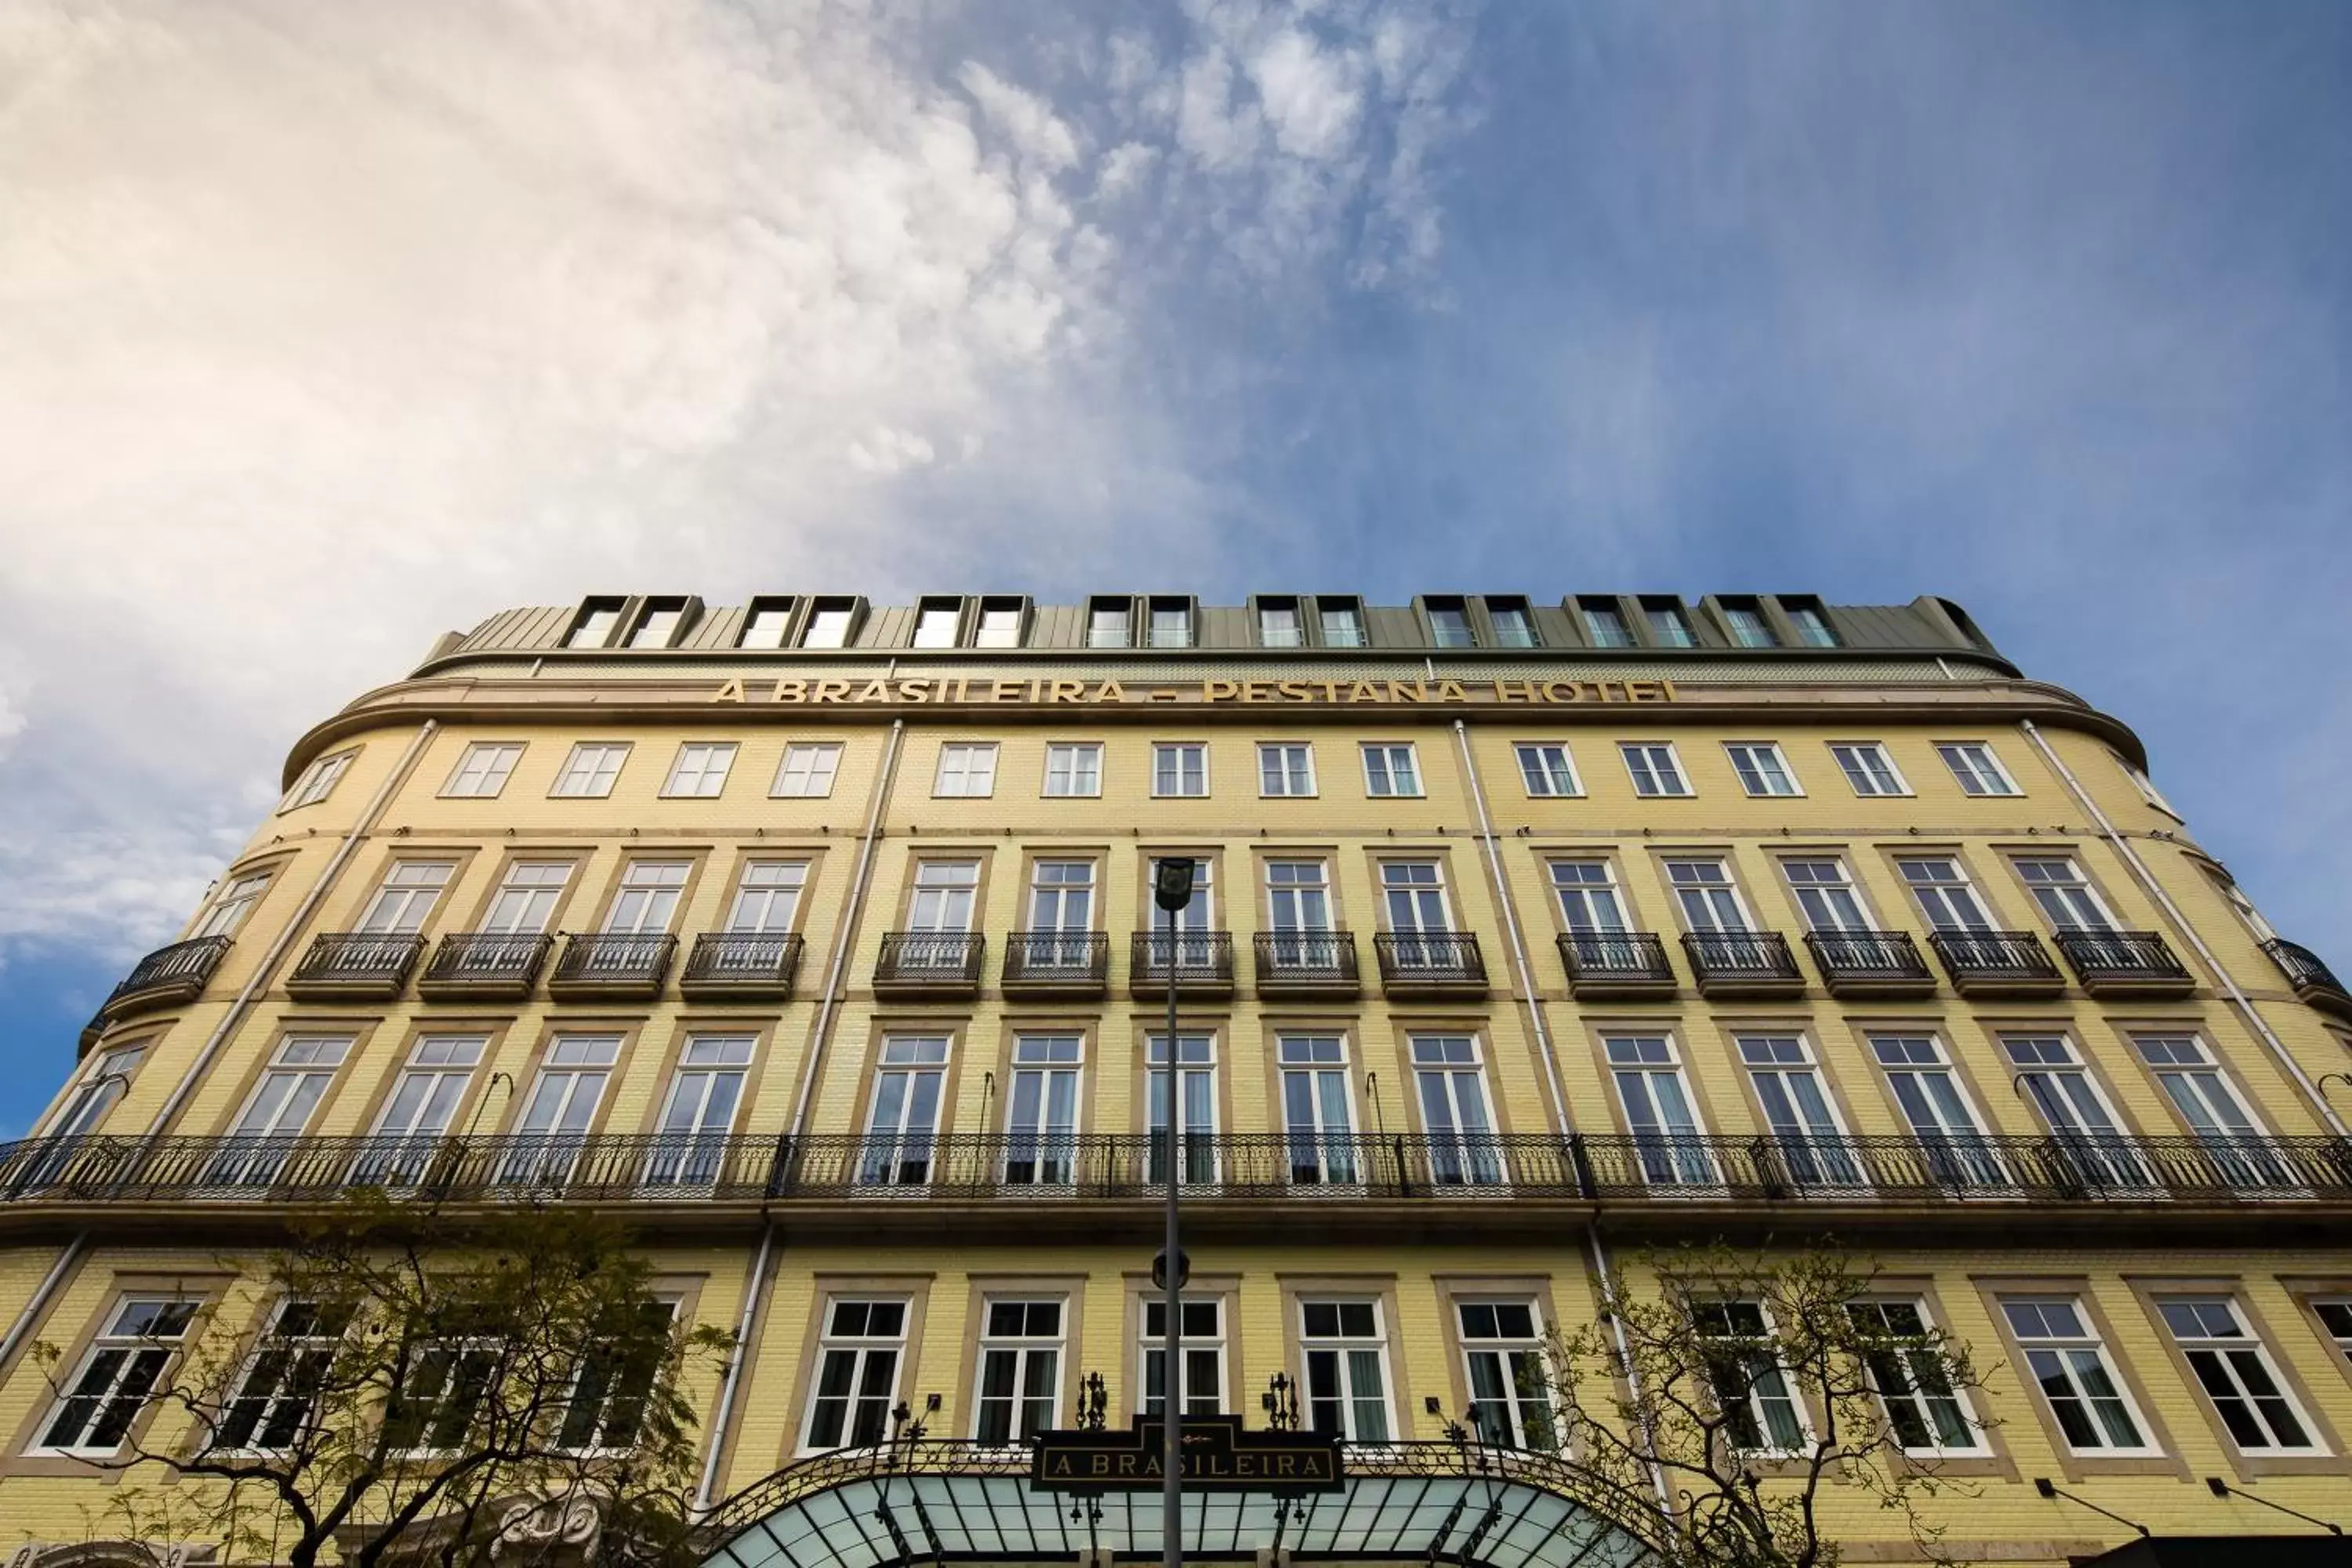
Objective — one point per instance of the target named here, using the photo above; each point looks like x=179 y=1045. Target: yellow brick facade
x=2275 y=1035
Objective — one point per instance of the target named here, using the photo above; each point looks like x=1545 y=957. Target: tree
x=415 y=1389
x=1727 y=1395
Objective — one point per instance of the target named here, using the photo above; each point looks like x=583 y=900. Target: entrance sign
x=1218 y=1455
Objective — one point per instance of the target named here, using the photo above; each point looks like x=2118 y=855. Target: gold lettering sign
x=1062 y=691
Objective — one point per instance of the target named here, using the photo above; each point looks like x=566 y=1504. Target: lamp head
x=1172 y=887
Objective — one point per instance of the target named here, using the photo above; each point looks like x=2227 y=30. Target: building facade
x=817 y=938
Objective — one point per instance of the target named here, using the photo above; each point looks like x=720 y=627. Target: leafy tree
x=414 y=1389
x=1733 y=1396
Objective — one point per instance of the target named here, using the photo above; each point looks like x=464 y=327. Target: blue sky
x=324 y=330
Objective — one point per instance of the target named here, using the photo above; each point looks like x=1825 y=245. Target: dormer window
x=1604 y=622
x=1343 y=623
x=1813 y=623
x=765 y=623
x=1000 y=624
x=1172 y=622
x=1744 y=620
x=1449 y=623
x=828 y=624
x=1278 y=624
x=1514 y=627
x=1107 y=624
x=657 y=626
x=595 y=626
x=1669 y=627
x=936 y=621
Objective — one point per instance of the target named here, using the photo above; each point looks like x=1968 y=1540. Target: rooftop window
x=1813 y=623
x=1343 y=624
x=595 y=626
x=1744 y=620
x=1514 y=627
x=1449 y=624
x=1107 y=624
x=657 y=626
x=1278 y=624
x=936 y=621
x=765 y=623
x=828 y=624
x=1172 y=622
x=1669 y=627
x=1604 y=622
x=1000 y=624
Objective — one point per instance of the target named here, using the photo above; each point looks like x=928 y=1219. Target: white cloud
x=1310 y=94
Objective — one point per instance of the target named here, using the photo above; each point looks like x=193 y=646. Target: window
x=1000 y=624
x=1342 y=625
x=2050 y=1073
x=1347 y=1370
x=2065 y=897
x=1196 y=920
x=1655 y=770
x=1604 y=622
x=1743 y=1368
x=2147 y=790
x=1813 y=623
x=1513 y=626
x=1547 y=770
x=658 y=627
x=1868 y=768
x=2235 y=1372
x=1412 y=897
x=701 y=769
x=1510 y=1391
x=231 y=905
x=1041 y=1111
x=1391 y=771
x=279 y=1393
x=765 y=624
x=419 y=1112
x=903 y=1120
x=2216 y=1115
x=1452 y=1088
x=828 y=624
x=1669 y=627
x=1763 y=770
x=768 y=897
x=1299 y=916
x=1449 y=624
x=1286 y=770
x=701 y=1110
x=1277 y=626
x=1061 y=902
x=1588 y=896
x=1204 y=1356
x=102 y=1083
x=936 y=622
x=1180 y=768
x=858 y=1374
x=807 y=769
x=2336 y=1318
x=1019 y=1371
x=2069 y=1365
x=966 y=768
x=606 y=1406
x=405 y=896
x=1317 y=1127
x=1805 y=1128
x=120 y=1369
x=1977 y=769
x=1913 y=1381
x=1073 y=768
x=562 y=1106
x=1709 y=902
x=595 y=626
x=300 y=1072
x=1944 y=894
x=1196 y=1072
x=1172 y=622
x=317 y=781
x=525 y=902
x=447 y=1382
x=1747 y=625
x=482 y=770
x=943 y=896
x=646 y=897
x=1106 y=626
x=1667 y=1137
x=591 y=768
x=1938 y=1112
x=1825 y=895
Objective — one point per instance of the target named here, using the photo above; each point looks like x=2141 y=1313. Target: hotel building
x=817 y=938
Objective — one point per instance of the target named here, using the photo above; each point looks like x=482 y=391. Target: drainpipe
x=2147 y=879
x=755 y=1288
x=40 y=1300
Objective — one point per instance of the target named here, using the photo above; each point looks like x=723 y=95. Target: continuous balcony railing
x=2124 y=962
x=1203 y=960
x=1870 y=962
x=1430 y=960
x=1617 y=964
x=2313 y=980
x=355 y=964
x=605 y=963
x=1069 y=962
x=942 y=961
x=1997 y=963
x=742 y=963
x=1785 y=1168
x=1742 y=963
x=486 y=963
x=1320 y=962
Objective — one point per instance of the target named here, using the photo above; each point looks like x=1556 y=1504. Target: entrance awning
x=956 y=1503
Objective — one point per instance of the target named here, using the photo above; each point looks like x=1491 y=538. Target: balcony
x=357 y=966
x=741 y=967
x=1870 y=964
x=1204 y=963
x=1743 y=963
x=919 y=965
x=1047 y=964
x=484 y=965
x=2250 y=1175
x=1429 y=965
x=2126 y=963
x=2009 y=963
x=1617 y=966
x=164 y=978
x=2312 y=980
x=1305 y=963
x=630 y=965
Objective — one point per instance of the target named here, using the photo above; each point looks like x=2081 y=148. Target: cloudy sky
x=326 y=328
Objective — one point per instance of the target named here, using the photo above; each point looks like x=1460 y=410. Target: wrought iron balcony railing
x=484 y=963
x=1203 y=962
x=1742 y=963
x=1065 y=963
x=1616 y=963
x=1300 y=963
x=167 y=976
x=2125 y=963
x=1997 y=963
x=1870 y=962
x=941 y=962
x=1434 y=961
x=1238 y=1167
x=743 y=964
x=613 y=964
x=356 y=963
x=2313 y=981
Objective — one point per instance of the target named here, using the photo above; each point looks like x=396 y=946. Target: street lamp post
x=1172 y=891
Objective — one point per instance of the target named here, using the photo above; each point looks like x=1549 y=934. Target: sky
x=325 y=329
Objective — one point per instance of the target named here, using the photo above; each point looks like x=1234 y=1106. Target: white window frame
x=1729 y=883
x=527 y=877
x=767 y=882
x=967 y=771
x=988 y=631
x=1641 y=758
x=232 y=905
x=806 y=771
x=1021 y=1347
x=1522 y=1410
x=1678 y=1158
x=1862 y=761
x=1907 y=1359
x=100 y=1089
x=1545 y=754
x=614 y=1393
x=1341 y=1345
x=2074 y=880
x=699 y=770
x=1760 y=765
x=482 y=770
x=2224 y=1350
x=590 y=771
x=1205 y=1335
x=1959 y=882
x=412 y=888
x=929 y=631
x=2066 y=1348
x=296 y=1351
x=644 y=881
x=1383 y=785
x=1764 y=1446
x=829 y=627
x=317 y=781
x=858 y=1346
x=1074 y=764
x=1285 y=753
x=1977 y=768
x=132 y=1347
x=1845 y=881
x=1168 y=759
